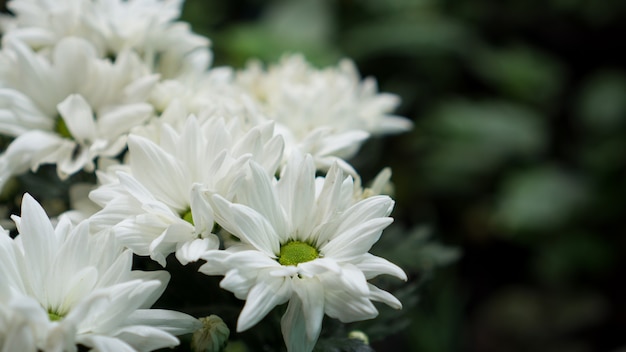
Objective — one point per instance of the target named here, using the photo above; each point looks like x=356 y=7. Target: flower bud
x=212 y=337
x=359 y=335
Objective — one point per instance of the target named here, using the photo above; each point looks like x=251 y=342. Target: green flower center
x=296 y=252
x=54 y=316
x=188 y=217
x=61 y=128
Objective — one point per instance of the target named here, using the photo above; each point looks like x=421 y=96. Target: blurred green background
x=517 y=158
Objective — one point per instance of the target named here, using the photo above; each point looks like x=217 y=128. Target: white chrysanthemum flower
x=147 y=27
x=303 y=244
x=327 y=113
x=154 y=207
x=69 y=107
x=213 y=90
x=62 y=286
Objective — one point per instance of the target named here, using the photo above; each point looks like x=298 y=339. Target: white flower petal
x=79 y=119
x=201 y=211
x=18 y=114
x=37 y=237
x=372 y=266
x=175 y=323
x=348 y=308
x=239 y=285
x=10 y=275
x=311 y=293
x=145 y=338
x=294 y=329
x=27 y=151
x=379 y=295
x=192 y=251
x=119 y=120
x=102 y=343
x=356 y=241
x=260 y=196
x=296 y=189
x=248 y=225
x=263 y=296
x=118 y=271
x=159 y=172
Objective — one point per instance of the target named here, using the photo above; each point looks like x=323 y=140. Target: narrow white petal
x=175 y=323
x=344 y=144
x=379 y=295
x=91 y=305
x=145 y=338
x=168 y=241
x=345 y=303
x=261 y=196
x=79 y=119
x=372 y=266
x=369 y=208
x=11 y=277
x=356 y=241
x=29 y=150
x=188 y=144
x=152 y=291
x=238 y=284
x=201 y=211
x=103 y=343
x=296 y=189
x=38 y=238
x=262 y=298
x=159 y=172
x=18 y=114
x=121 y=119
x=80 y=285
x=293 y=327
x=118 y=271
x=146 y=198
x=193 y=250
x=347 y=308
x=248 y=225
x=311 y=293
x=125 y=298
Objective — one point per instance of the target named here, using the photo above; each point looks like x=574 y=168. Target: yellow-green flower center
x=61 y=128
x=296 y=252
x=54 y=316
x=188 y=217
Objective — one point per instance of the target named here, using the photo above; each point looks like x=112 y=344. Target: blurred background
x=510 y=189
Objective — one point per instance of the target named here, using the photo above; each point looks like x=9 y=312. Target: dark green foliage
x=517 y=159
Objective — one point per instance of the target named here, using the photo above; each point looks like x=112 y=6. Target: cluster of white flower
x=211 y=164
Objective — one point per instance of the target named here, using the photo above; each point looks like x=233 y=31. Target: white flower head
x=157 y=209
x=69 y=107
x=62 y=286
x=213 y=90
x=305 y=242
x=327 y=113
x=148 y=27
